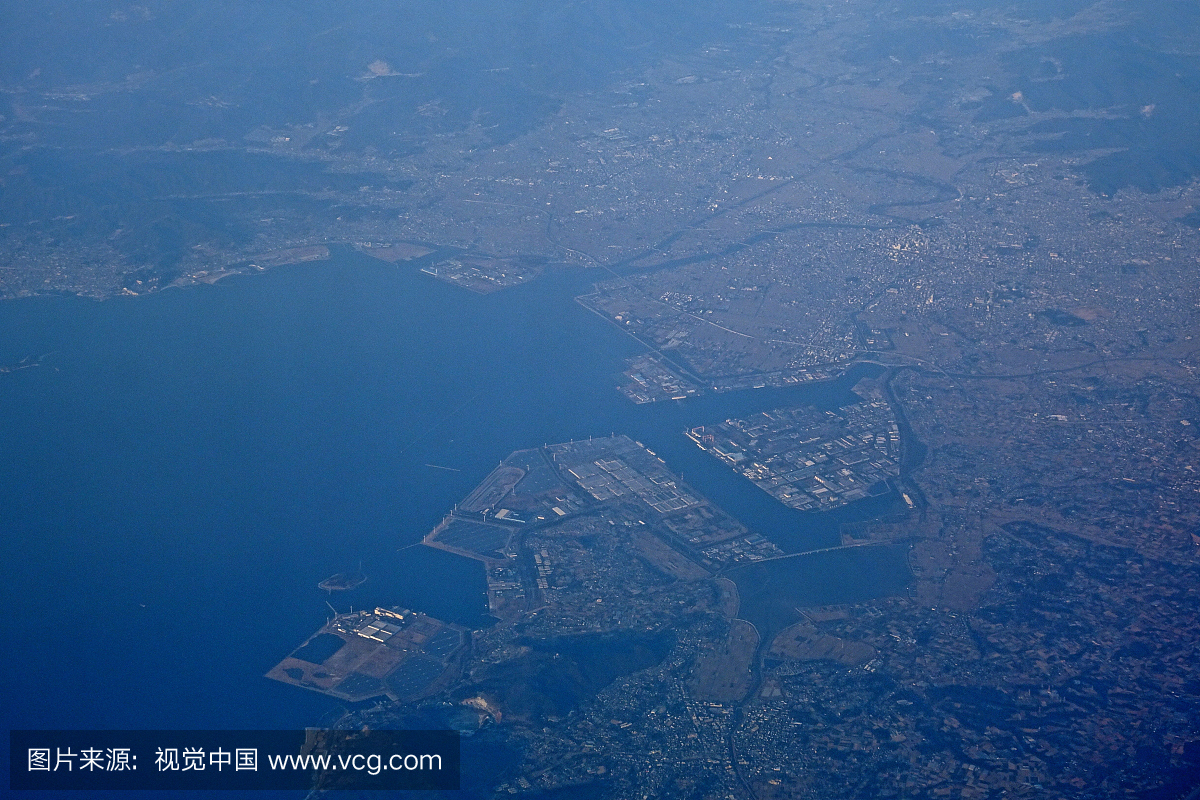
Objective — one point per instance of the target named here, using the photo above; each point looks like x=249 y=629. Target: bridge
x=821 y=550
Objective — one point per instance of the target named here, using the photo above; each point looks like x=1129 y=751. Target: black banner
x=312 y=759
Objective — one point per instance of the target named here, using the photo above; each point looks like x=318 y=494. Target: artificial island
x=629 y=608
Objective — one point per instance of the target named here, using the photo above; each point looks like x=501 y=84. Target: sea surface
x=183 y=468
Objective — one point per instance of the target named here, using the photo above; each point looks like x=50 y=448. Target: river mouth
x=771 y=592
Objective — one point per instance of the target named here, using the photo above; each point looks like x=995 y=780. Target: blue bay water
x=184 y=467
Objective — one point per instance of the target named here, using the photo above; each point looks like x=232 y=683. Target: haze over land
x=996 y=204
